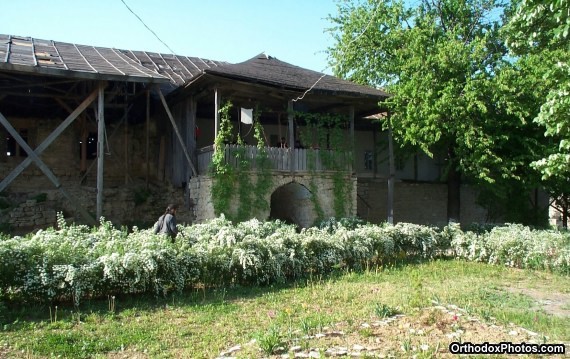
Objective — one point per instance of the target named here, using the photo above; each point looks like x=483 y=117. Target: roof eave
x=82 y=74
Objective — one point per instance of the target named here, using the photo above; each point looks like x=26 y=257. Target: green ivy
x=224 y=176
x=236 y=181
x=263 y=165
x=327 y=132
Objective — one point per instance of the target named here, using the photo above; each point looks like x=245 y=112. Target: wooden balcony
x=296 y=160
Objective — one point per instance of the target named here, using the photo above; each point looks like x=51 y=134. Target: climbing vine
x=327 y=133
x=263 y=165
x=233 y=170
x=223 y=173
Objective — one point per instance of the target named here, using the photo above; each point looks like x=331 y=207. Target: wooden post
x=184 y=149
x=84 y=137
x=352 y=149
x=161 y=157
x=392 y=174
x=290 y=118
x=191 y=108
x=374 y=150
x=147 y=155
x=3 y=145
x=126 y=149
x=100 y=150
x=217 y=100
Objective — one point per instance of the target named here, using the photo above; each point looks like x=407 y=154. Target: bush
x=74 y=261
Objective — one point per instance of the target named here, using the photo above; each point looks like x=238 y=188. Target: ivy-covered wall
x=200 y=189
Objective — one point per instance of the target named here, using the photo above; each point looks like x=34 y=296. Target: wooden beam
x=352 y=149
x=191 y=107
x=147 y=154
x=163 y=100
x=44 y=168
x=126 y=145
x=115 y=131
x=290 y=118
x=45 y=143
x=100 y=149
x=216 y=112
x=392 y=175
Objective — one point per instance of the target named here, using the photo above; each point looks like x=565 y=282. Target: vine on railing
x=263 y=166
x=223 y=173
x=327 y=132
x=230 y=181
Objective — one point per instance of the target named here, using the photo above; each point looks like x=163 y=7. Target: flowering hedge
x=516 y=246
x=76 y=261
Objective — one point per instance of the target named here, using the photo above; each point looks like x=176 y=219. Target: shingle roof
x=271 y=71
x=28 y=54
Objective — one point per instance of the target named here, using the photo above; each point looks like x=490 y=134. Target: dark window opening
x=13 y=148
x=90 y=146
x=368 y=160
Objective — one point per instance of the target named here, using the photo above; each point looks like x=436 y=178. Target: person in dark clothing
x=166 y=223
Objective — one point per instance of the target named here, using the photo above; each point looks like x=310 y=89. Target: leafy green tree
x=439 y=59
x=538 y=34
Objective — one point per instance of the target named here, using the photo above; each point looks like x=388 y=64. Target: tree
x=538 y=34
x=439 y=61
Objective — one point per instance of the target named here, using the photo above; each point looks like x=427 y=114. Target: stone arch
x=291 y=203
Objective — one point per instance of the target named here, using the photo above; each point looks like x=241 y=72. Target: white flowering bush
x=517 y=246
x=73 y=262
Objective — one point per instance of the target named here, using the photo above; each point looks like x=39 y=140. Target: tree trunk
x=453 y=194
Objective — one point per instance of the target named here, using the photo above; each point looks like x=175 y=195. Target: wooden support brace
x=45 y=143
x=163 y=100
x=45 y=169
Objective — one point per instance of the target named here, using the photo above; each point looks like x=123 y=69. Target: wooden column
x=100 y=150
x=191 y=108
x=352 y=149
x=147 y=154
x=392 y=174
x=84 y=137
x=290 y=118
x=126 y=144
x=217 y=100
x=374 y=149
x=3 y=145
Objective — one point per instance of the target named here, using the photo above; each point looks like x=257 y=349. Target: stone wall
x=203 y=209
x=421 y=203
x=127 y=205
x=126 y=199
x=33 y=214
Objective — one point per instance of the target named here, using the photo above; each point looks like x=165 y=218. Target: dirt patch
x=425 y=334
x=554 y=303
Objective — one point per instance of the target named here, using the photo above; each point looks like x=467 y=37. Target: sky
x=226 y=30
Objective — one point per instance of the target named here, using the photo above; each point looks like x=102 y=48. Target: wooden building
x=95 y=131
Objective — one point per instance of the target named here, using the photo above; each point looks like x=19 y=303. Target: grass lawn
x=415 y=309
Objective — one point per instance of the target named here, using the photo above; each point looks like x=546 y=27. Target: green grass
x=201 y=324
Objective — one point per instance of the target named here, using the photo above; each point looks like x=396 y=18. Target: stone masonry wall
x=201 y=196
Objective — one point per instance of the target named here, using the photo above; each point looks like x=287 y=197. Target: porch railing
x=281 y=159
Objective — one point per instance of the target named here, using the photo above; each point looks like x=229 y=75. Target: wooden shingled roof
x=268 y=70
x=26 y=54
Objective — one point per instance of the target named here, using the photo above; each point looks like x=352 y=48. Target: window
x=13 y=149
x=90 y=147
x=368 y=160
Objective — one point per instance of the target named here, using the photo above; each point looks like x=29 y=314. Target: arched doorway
x=292 y=204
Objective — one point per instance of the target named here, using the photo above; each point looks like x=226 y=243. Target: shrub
x=75 y=261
